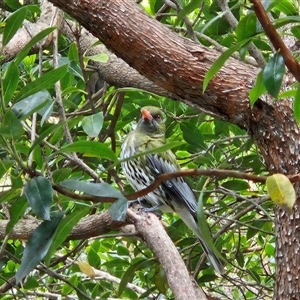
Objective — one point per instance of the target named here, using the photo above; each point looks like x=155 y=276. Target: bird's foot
x=146 y=206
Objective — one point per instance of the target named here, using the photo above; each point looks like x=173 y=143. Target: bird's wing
x=177 y=189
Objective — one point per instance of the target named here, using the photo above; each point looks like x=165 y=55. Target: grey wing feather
x=177 y=189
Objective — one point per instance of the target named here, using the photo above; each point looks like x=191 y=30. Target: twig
x=192 y=172
x=229 y=16
x=275 y=39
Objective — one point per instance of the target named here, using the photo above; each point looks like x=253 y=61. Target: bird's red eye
x=158 y=117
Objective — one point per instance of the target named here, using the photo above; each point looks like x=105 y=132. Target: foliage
x=39 y=136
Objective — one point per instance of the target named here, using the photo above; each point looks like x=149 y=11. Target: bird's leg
x=146 y=206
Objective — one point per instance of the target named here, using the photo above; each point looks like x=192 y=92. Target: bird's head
x=151 y=121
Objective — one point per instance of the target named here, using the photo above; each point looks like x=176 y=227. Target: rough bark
x=179 y=66
x=152 y=232
x=88 y=227
x=174 y=63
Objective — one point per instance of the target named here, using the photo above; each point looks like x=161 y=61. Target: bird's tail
x=190 y=221
x=212 y=257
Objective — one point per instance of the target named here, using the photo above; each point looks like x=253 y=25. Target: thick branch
x=154 y=235
x=172 y=62
x=88 y=227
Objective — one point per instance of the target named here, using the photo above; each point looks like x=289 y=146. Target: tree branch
x=172 y=62
x=154 y=235
x=275 y=39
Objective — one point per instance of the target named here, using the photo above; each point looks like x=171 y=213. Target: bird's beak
x=146 y=114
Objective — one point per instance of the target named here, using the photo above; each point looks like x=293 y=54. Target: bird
x=174 y=195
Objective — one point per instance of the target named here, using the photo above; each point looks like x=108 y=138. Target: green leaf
x=246 y=27
x=118 y=209
x=13 y=23
x=90 y=148
x=236 y=185
x=45 y=133
x=163 y=148
x=10 y=194
x=257 y=90
x=273 y=74
x=187 y=9
x=16 y=212
x=286 y=7
x=10 y=82
x=160 y=280
x=102 y=189
x=101 y=57
x=22 y=54
x=63 y=230
x=61 y=174
x=192 y=135
x=73 y=53
x=93 y=258
x=37 y=246
x=39 y=195
x=296 y=105
x=218 y=64
x=296 y=31
x=203 y=226
x=11 y=126
x=92 y=125
x=131 y=271
x=31 y=104
x=14 y=4
x=5 y=165
x=281 y=191
x=45 y=81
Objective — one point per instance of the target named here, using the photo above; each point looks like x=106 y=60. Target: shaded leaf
x=4 y=166
x=13 y=23
x=236 y=185
x=218 y=64
x=42 y=34
x=16 y=212
x=39 y=194
x=93 y=258
x=167 y=146
x=246 y=27
x=51 y=129
x=160 y=280
x=192 y=5
x=273 y=74
x=102 y=189
x=31 y=104
x=281 y=191
x=118 y=209
x=130 y=272
x=10 y=82
x=90 y=148
x=257 y=90
x=11 y=126
x=63 y=230
x=296 y=105
x=203 y=226
x=61 y=174
x=92 y=125
x=37 y=246
x=43 y=82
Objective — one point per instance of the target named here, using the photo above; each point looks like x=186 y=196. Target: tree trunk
x=179 y=66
